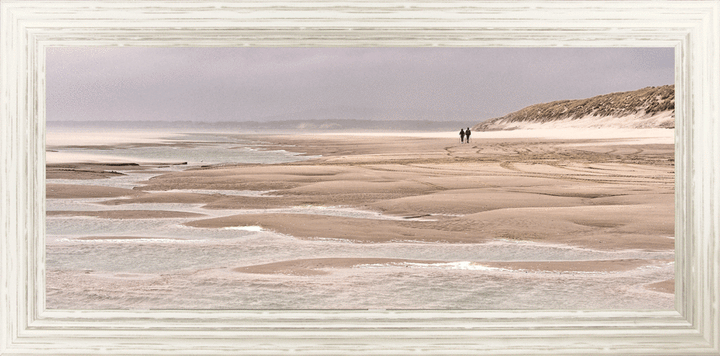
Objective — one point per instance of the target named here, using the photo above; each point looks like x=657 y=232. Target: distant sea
x=275 y=126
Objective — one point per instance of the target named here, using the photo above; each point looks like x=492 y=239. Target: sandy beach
x=607 y=196
x=611 y=194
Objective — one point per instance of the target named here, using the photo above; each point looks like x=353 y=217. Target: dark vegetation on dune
x=647 y=101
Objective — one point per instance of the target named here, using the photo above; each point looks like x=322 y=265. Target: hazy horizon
x=283 y=84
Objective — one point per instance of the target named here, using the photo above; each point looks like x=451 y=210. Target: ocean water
x=178 y=267
x=193 y=149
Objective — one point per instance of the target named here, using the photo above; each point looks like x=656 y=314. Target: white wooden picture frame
x=29 y=27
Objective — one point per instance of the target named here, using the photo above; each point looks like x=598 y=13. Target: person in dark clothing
x=462 y=136
x=467 y=135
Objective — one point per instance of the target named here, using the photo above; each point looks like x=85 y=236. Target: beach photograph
x=360 y=178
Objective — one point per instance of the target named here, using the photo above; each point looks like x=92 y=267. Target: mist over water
x=101 y=263
x=191 y=149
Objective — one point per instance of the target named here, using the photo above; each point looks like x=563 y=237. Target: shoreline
x=605 y=194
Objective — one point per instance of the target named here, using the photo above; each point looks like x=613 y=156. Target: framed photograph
x=337 y=179
x=41 y=312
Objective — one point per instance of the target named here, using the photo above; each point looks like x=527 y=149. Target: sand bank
x=317 y=266
x=667 y=286
x=72 y=191
x=321 y=266
x=312 y=226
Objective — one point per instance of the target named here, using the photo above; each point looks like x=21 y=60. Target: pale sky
x=239 y=84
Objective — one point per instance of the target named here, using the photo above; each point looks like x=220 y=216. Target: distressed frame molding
x=28 y=27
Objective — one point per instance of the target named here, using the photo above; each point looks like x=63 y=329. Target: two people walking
x=465 y=135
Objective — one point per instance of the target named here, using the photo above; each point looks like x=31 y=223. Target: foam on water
x=242 y=193
x=463 y=265
x=208 y=285
x=245 y=228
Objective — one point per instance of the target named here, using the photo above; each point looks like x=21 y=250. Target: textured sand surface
x=603 y=197
x=609 y=195
x=577 y=192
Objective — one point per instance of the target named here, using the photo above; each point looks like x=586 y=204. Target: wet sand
x=72 y=191
x=321 y=266
x=606 y=194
